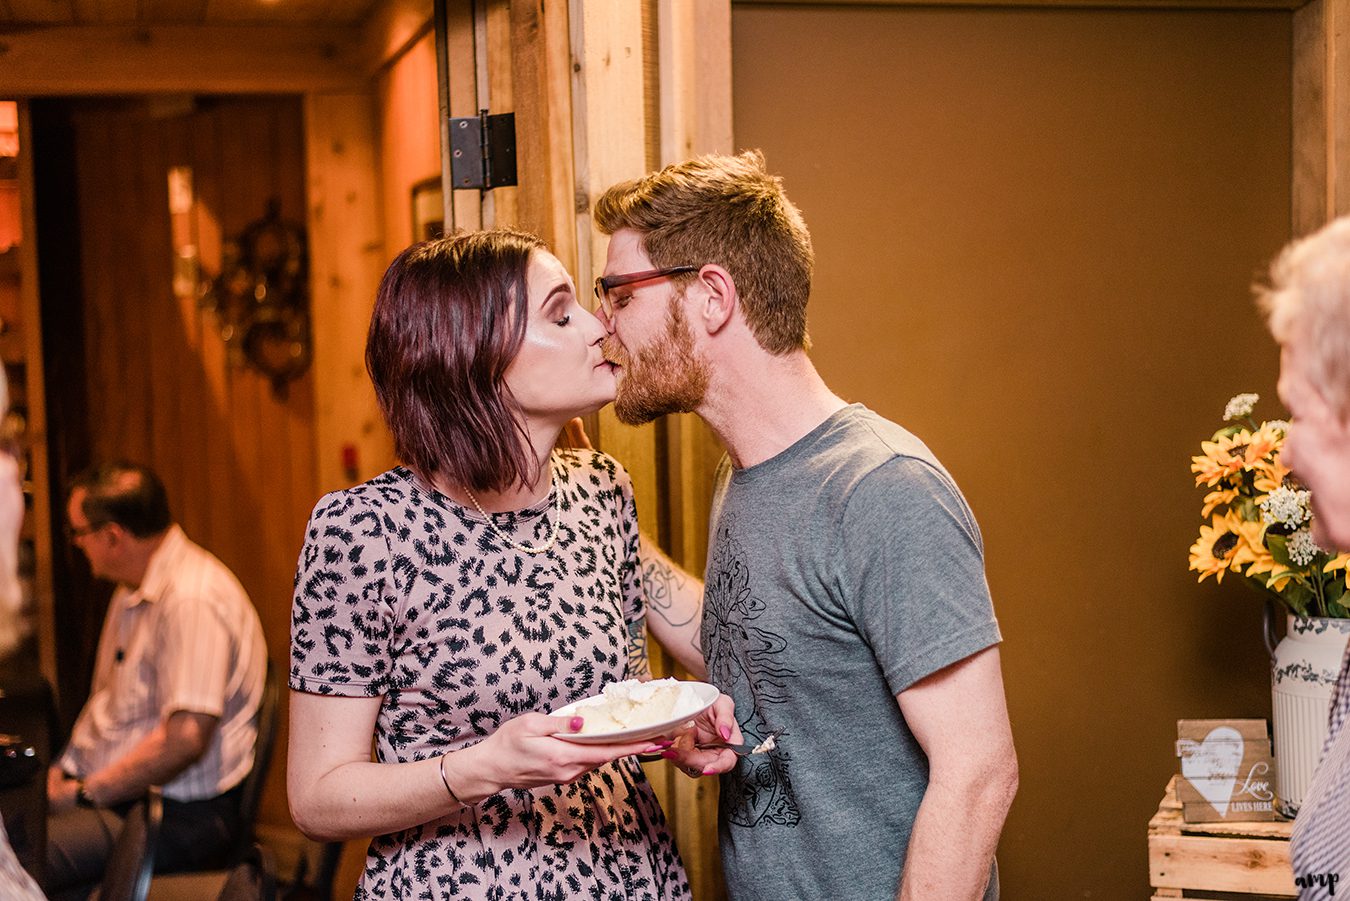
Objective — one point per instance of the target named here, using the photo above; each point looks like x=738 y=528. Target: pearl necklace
x=524 y=548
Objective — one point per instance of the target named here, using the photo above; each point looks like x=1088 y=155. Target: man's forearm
x=674 y=607
x=956 y=833
x=165 y=752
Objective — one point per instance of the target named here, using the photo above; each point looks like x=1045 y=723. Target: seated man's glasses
x=607 y=283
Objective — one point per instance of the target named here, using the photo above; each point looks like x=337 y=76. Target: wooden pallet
x=1244 y=859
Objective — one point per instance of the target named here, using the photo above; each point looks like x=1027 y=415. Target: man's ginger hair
x=726 y=210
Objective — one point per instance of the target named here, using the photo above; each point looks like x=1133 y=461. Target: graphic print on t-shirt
x=745 y=660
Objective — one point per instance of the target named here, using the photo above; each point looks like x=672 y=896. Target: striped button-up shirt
x=187 y=639
x=1321 y=841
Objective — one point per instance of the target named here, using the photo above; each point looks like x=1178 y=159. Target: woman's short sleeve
x=342 y=613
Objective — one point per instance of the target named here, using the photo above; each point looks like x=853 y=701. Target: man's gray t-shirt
x=840 y=572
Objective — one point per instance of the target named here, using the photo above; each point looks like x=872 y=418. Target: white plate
x=706 y=695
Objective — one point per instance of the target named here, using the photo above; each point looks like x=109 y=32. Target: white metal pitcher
x=1304 y=667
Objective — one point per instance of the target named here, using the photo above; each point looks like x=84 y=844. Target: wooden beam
x=1321 y=126
x=541 y=79
x=463 y=62
x=497 y=54
x=240 y=59
x=609 y=121
x=39 y=476
x=1337 y=98
x=695 y=78
x=347 y=258
x=1310 y=189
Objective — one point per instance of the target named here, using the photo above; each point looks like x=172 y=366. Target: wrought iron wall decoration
x=261 y=298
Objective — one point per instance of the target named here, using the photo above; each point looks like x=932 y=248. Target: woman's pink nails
x=576 y=723
x=669 y=755
x=726 y=733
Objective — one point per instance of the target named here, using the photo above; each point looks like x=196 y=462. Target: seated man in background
x=178 y=679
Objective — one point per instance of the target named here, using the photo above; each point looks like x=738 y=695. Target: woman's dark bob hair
x=449 y=318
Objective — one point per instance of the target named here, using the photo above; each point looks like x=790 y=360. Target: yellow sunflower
x=1340 y=561
x=1225 y=456
x=1262 y=443
x=1223 y=545
x=1217 y=498
x=1270 y=474
x=1262 y=562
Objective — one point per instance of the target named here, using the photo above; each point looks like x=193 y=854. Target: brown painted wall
x=1035 y=234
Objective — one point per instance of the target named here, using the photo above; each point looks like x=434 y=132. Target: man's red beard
x=665 y=375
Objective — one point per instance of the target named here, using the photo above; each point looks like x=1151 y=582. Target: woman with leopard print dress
x=442 y=608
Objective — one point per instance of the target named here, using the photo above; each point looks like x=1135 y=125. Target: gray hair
x=1307 y=304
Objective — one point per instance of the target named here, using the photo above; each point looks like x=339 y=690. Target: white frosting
x=632 y=704
x=766 y=745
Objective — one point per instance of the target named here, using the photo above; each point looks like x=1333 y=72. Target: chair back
x=127 y=877
x=250 y=796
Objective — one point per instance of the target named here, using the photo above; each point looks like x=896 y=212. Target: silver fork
x=746 y=748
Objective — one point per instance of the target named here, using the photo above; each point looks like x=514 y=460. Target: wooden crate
x=1243 y=859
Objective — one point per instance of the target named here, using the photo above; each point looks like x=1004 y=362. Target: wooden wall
x=160 y=388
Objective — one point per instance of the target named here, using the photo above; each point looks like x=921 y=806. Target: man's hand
x=574 y=435
x=166 y=751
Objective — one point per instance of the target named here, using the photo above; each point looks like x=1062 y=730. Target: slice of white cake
x=631 y=704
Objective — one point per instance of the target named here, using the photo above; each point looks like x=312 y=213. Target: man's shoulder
x=870 y=440
x=195 y=571
x=879 y=464
x=864 y=450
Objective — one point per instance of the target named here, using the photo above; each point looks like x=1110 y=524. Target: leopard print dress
x=403 y=594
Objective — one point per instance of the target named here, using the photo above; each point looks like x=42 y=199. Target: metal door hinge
x=483 y=151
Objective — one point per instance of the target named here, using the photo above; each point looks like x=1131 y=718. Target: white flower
x=1287 y=506
x=1281 y=424
x=1240 y=406
x=1302 y=549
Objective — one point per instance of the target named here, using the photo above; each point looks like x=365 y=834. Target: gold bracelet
x=454 y=797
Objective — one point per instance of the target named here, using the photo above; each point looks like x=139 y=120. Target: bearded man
x=846 y=605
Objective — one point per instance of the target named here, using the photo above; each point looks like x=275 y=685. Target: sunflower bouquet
x=1261 y=517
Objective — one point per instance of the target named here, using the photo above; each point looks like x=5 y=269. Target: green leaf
x=1279 y=548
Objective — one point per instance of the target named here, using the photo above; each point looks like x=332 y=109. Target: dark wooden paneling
x=161 y=387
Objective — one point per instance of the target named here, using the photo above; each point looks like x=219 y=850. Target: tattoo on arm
x=639 y=666
x=662 y=584
x=660 y=581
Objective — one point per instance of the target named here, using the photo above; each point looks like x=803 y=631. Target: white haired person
x=15 y=883
x=1308 y=303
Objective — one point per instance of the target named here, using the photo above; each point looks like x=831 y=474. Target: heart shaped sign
x=1212 y=765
